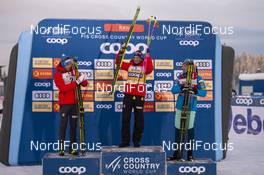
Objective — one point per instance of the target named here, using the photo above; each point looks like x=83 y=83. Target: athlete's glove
x=81 y=78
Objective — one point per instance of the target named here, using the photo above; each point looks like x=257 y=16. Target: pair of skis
x=124 y=47
x=185 y=113
x=125 y=44
x=80 y=110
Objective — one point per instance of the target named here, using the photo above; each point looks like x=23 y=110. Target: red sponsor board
x=42 y=74
x=88 y=95
x=149 y=106
x=122 y=28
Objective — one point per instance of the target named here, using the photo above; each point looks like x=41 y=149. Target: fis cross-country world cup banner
x=95 y=43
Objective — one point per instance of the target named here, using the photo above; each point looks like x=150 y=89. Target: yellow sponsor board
x=164 y=64
x=56 y=95
x=208 y=84
x=89 y=87
x=41 y=106
x=104 y=96
x=42 y=63
x=88 y=106
x=104 y=74
x=164 y=106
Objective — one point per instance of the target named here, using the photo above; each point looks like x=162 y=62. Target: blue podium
x=127 y=161
x=89 y=164
x=199 y=166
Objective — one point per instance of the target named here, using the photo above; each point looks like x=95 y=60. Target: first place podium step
x=127 y=161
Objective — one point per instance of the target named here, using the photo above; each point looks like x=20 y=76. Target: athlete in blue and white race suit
x=199 y=89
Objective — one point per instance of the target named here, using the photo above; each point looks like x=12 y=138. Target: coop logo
x=163 y=74
x=192 y=169
x=42 y=84
x=61 y=41
x=189 y=43
x=41 y=95
x=104 y=106
x=84 y=63
x=113 y=48
x=205 y=106
x=244 y=101
x=74 y=170
x=104 y=64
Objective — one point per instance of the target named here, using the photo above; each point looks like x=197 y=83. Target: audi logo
x=203 y=64
x=245 y=101
x=74 y=169
x=42 y=84
x=113 y=48
x=103 y=64
x=61 y=41
x=84 y=63
x=163 y=74
x=104 y=106
x=192 y=169
x=189 y=43
x=41 y=95
x=178 y=64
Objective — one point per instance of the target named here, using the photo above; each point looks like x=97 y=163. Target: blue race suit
x=198 y=86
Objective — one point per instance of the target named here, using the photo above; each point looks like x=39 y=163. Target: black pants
x=137 y=103
x=190 y=137
x=68 y=112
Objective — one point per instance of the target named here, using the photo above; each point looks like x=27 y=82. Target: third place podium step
x=125 y=161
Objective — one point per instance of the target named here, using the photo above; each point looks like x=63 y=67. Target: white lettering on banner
x=192 y=169
x=244 y=101
x=104 y=106
x=84 y=63
x=206 y=106
x=74 y=169
x=163 y=74
x=61 y=41
x=42 y=84
x=189 y=43
x=113 y=48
